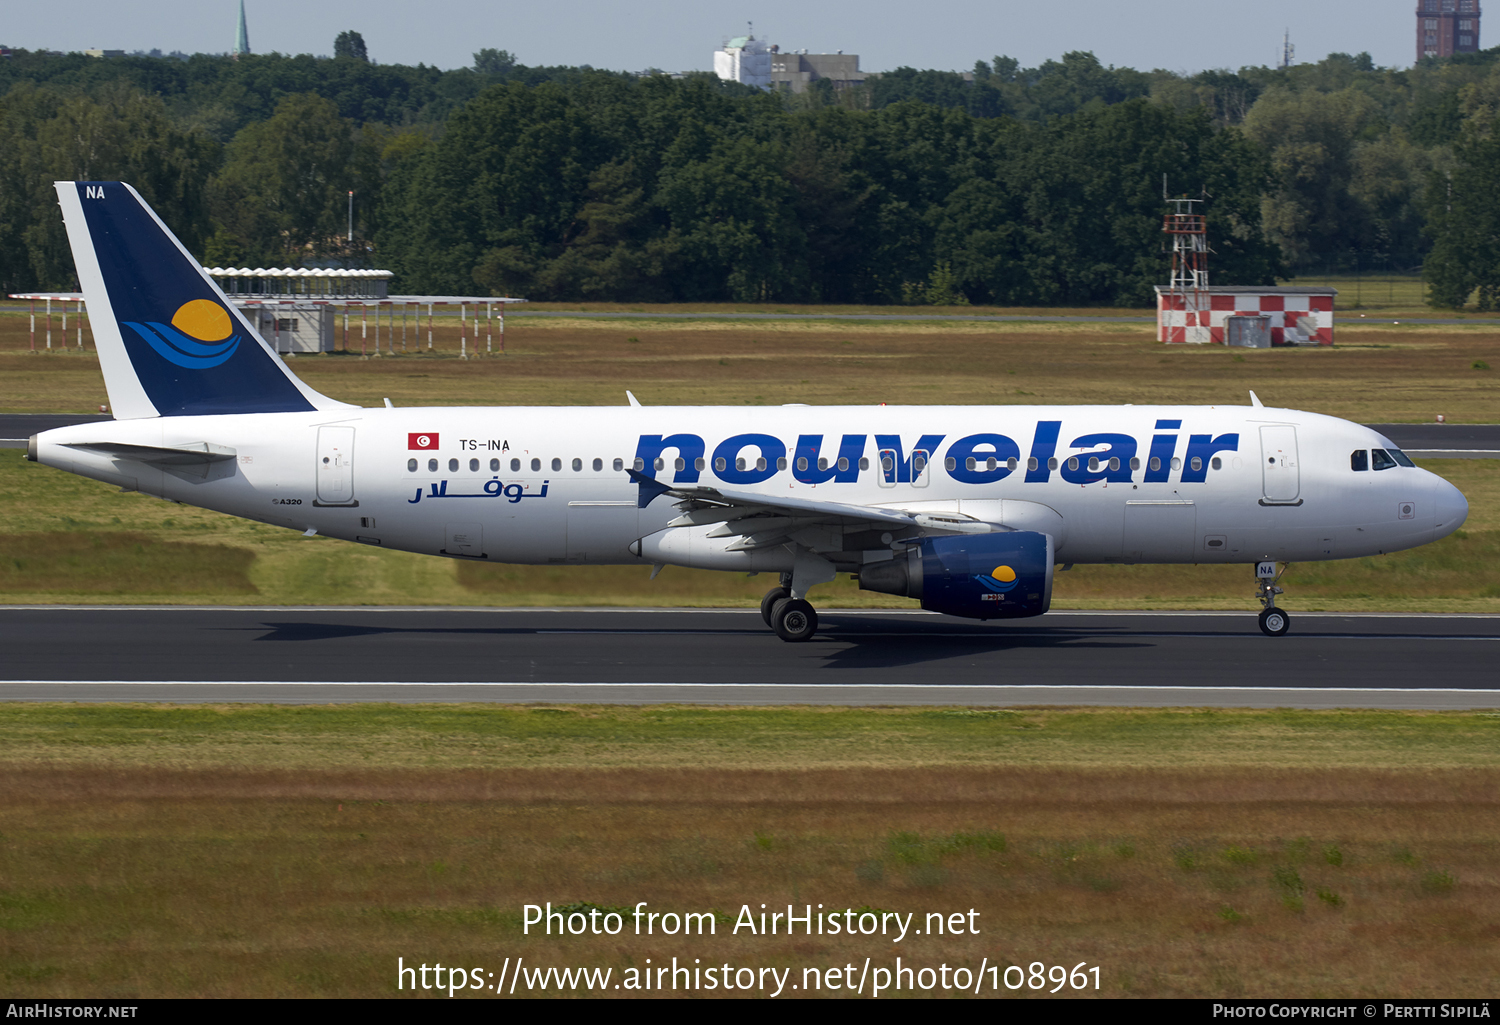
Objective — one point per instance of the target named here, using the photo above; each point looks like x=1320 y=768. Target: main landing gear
x=793 y=619
x=1274 y=622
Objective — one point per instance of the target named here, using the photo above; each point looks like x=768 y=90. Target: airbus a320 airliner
x=967 y=509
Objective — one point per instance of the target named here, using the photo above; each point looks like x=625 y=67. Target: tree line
x=1008 y=185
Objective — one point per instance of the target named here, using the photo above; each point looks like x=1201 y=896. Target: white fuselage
x=548 y=484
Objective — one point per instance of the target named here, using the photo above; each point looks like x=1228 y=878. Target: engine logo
x=1000 y=580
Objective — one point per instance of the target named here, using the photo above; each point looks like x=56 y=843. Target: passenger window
x=619 y=464
x=1031 y=463
x=823 y=463
x=598 y=465
x=781 y=462
x=432 y=466
x=864 y=462
x=473 y=466
x=801 y=464
x=1359 y=460
x=969 y=463
x=556 y=464
x=1135 y=462
x=494 y=465
x=1176 y=462
x=1114 y=463
x=577 y=465
x=1382 y=458
x=1052 y=463
x=1155 y=463
x=453 y=466
x=1010 y=464
x=720 y=463
x=1073 y=463
x=843 y=464
x=1216 y=463
x=536 y=464
x=1197 y=463
x=411 y=466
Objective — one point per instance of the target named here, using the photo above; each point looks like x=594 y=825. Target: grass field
x=246 y=851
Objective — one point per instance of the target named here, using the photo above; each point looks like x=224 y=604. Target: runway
x=630 y=656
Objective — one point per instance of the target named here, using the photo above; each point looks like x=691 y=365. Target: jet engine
x=1005 y=575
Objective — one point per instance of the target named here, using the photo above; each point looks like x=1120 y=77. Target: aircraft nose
x=1452 y=508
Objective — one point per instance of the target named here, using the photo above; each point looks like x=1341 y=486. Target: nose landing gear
x=1274 y=622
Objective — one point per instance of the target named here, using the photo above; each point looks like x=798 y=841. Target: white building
x=746 y=60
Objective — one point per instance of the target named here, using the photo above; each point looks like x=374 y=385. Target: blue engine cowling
x=1005 y=575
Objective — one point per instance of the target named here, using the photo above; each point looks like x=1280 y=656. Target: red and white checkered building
x=1285 y=316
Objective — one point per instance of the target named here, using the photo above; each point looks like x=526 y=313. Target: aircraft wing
x=762 y=521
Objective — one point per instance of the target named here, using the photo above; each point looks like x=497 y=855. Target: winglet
x=1255 y=401
x=651 y=488
x=635 y=402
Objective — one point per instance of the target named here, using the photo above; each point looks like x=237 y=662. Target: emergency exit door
x=336 y=466
x=1278 y=465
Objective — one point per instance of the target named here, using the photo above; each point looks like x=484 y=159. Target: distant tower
x=1446 y=27
x=241 y=35
x=1189 y=289
x=1288 y=51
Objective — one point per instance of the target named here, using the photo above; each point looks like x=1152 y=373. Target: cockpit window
x=1400 y=457
x=1383 y=460
x=1359 y=459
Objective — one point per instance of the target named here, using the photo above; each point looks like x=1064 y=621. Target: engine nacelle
x=978 y=576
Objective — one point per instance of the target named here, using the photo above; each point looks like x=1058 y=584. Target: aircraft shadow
x=865 y=645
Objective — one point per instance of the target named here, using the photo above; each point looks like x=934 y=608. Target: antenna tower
x=1188 y=230
x=1288 y=51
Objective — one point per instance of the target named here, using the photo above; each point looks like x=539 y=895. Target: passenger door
x=1280 y=475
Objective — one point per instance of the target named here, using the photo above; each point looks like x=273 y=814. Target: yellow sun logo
x=204 y=320
x=1004 y=574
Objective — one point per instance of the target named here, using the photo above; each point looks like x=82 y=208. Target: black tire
x=795 y=620
x=767 y=603
x=1275 y=622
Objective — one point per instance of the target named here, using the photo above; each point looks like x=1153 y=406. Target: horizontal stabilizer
x=195 y=454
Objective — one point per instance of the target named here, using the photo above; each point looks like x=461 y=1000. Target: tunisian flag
x=421 y=441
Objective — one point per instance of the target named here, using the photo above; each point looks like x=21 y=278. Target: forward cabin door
x=336 y=466
x=1278 y=464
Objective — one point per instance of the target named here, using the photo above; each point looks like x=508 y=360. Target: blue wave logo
x=175 y=347
x=200 y=336
x=1001 y=581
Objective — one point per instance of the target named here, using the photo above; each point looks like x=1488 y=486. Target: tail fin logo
x=200 y=336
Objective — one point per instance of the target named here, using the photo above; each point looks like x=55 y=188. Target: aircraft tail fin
x=170 y=342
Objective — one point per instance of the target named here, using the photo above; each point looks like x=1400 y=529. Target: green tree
x=282 y=194
x=123 y=135
x=1465 y=221
x=490 y=61
x=1312 y=138
x=352 y=45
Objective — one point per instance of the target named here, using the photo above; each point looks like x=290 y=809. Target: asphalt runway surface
x=632 y=656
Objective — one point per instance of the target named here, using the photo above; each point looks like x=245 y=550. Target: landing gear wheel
x=767 y=603
x=794 y=620
x=1275 y=622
